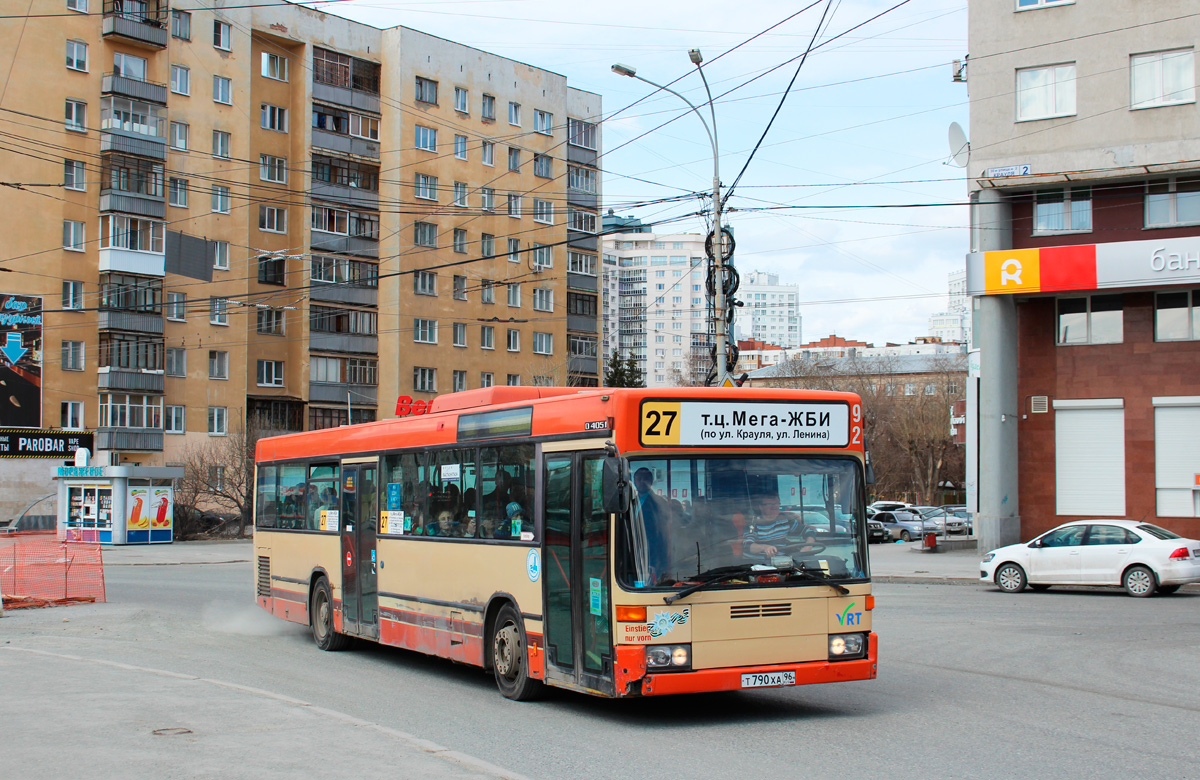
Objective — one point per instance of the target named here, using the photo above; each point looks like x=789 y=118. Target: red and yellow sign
x=1050 y=269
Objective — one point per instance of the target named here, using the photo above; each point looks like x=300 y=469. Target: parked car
x=903 y=525
x=888 y=506
x=1141 y=557
x=960 y=510
x=877 y=532
x=946 y=522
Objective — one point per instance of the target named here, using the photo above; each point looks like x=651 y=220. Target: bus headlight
x=845 y=646
x=668 y=657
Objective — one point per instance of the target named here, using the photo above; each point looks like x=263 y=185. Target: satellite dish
x=960 y=147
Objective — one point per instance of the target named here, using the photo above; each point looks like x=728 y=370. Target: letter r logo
x=1010 y=271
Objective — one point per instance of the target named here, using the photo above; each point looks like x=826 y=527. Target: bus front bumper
x=730 y=679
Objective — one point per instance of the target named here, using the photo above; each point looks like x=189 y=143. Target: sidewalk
x=176 y=553
x=907 y=562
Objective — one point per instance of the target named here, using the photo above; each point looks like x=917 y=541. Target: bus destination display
x=744 y=424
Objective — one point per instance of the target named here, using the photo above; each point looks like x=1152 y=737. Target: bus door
x=577 y=613
x=360 y=519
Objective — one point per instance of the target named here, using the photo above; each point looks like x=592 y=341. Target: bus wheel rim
x=506 y=642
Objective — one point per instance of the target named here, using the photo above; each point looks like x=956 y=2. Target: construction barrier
x=37 y=570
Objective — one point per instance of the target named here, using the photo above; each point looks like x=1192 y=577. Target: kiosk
x=117 y=504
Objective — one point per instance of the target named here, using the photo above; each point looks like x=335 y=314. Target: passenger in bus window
x=655 y=514
x=445 y=525
x=517 y=522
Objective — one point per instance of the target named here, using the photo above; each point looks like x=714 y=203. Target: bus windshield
x=692 y=519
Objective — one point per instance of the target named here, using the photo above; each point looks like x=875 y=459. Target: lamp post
x=722 y=376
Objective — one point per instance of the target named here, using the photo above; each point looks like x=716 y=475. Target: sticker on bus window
x=533 y=565
x=394 y=496
x=391 y=522
x=744 y=423
x=450 y=472
x=595 y=595
x=329 y=520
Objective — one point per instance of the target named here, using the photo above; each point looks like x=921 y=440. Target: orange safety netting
x=38 y=570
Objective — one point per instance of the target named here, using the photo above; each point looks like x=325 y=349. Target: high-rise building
x=660 y=311
x=266 y=215
x=771 y=312
x=1085 y=264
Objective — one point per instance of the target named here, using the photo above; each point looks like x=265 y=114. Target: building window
x=221 y=255
x=1046 y=92
x=425 y=283
x=77 y=56
x=1162 y=78
x=71 y=415
x=487 y=153
x=1176 y=431
x=487 y=337
x=72 y=295
x=514 y=205
x=425 y=187
x=218 y=364
x=220 y=199
x=273 y=117
x=543 y=211
x=181 y=80
x=218 y=311
x=460 y=147
x=179 y=136
x=73 y=175
x=222 y=35
x=1068 y=210
x=486 y=379
x=585 y=346
x=175 y=363
x=425 y=331
x=270 y=373
x=222 y=90
x=579 y=263
x=514 y=250
x=174 y=419
x=181 y=25
x=272 y=219
x=1175 y=316
x=514 y=114
x=581 y=133
x=178 y=192
x=513 y=380
x=582 y=179
x=274 y=66
x=514 y=294
x=543 y=343
x=460 y=286
x=514 y=340
x=139 y=235
x=543 y=166
x=426 y=90
x=581 y=305
x=424 y=379
x=221 y=144
x=270 y=321
x=425 y=138
x=1024 y=4
x=460 y=193
x=460 y=381
x=543 y=122
x=72 y=356
x=543 y=257
x=118 y=410
x=77 y=116
x=514 y=158
x=487 y=291
x=272 y=168
x=77 y=5
x=583 y=221
x=460 y=100
x=1174 y=201
x=425 y=234
x=1095 y=319
x=272 y=269
x=460 y=334
x=487 y=198
x=1089 y=454
x=364 y=127
x=218 y=420
x=487 y=107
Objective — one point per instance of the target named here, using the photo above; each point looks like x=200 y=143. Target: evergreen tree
x=622 y=372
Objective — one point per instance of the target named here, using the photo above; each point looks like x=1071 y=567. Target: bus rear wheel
x=510 y=661
x=320 y=617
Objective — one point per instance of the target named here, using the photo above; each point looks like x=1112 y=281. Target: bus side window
x=266 y=506
x=323 y=494
x=292 y=488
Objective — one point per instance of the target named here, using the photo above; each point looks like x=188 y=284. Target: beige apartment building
x=273 y=217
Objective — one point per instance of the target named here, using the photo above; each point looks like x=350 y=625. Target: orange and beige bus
x=619 y=542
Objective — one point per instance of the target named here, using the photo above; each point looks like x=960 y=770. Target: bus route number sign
x=746 y=424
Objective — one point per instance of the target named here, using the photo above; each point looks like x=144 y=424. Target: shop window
x=1095 y=319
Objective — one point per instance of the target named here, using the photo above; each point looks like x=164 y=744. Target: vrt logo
x=848 y=618
x=1010 y=271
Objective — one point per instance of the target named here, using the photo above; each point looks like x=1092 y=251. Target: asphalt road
x=972 y=684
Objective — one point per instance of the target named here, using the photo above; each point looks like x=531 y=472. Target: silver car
x=903 y=525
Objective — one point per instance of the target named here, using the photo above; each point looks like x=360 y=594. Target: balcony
x=354 y=196
x=342 y=96
x=133 y=203
x=129 y=439
x=135 y=321
x=320 y=392
x=584 y=282
x=577 y=154
x=150 y=91
x=343 y=293
x=146 y=28
x=580 y=240
x=323 y=139
x=583 y=365
x=346 y=245
x=581 y=322
x=130 y=379
x=588 y=200
x=133 y=262
x=343 y=342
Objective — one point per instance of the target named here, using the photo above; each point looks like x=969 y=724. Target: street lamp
x=722 y=372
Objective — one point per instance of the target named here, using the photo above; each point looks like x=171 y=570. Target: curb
x=170 y=563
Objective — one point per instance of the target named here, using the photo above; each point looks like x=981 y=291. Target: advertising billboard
x=20 y=361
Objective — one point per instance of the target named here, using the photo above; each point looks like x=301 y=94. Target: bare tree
x=219 y=476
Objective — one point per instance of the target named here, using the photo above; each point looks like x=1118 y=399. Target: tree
x=218 y=479
x=622 y=372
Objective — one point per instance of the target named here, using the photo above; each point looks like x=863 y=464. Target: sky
x=826 y=201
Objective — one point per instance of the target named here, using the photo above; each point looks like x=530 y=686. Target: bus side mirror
x=869 y=477
x=616 y=485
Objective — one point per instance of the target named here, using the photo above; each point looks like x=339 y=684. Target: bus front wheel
x=510 y=662
x=320 y=617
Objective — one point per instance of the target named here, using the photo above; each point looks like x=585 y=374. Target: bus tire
x=320 y=618
x=510 y=661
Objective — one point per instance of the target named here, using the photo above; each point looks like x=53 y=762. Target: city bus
x=619 y=542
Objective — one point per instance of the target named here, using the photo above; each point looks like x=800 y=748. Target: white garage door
x=1176 y=455
x=1089 y=458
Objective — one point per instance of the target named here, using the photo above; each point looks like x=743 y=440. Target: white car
x=1141 y=557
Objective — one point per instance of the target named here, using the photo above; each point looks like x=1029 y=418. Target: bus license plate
x=768 y=680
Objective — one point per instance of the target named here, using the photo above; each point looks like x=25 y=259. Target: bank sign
x=1085 y=267
x=744 y=424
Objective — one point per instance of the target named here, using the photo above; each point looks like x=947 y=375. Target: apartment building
x=771 y=312
x=1084 y=175
x=661 y=312
x=272 y=217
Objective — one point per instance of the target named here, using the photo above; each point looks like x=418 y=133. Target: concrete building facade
x=771 y=312
x=1085 y=264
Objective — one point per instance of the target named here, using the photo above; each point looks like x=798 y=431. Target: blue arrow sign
x=13 y=348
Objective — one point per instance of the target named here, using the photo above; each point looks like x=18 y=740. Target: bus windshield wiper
x=724 y=574
x=820 y=575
